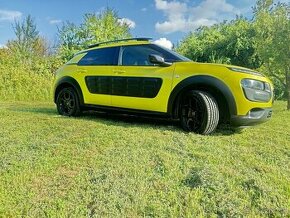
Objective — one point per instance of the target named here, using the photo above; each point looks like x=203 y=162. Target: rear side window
x=102 y=57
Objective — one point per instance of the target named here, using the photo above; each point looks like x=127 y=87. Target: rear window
x=102 y=56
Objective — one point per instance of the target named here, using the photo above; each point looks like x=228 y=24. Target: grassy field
x=111 y=166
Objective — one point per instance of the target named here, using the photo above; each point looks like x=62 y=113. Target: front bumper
x=254 y=117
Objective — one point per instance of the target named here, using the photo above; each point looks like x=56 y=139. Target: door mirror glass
x=157 y=59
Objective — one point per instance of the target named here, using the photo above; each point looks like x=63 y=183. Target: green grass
x=107 y=166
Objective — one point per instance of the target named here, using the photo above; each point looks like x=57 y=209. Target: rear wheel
x=199 y=112
x=68 y=103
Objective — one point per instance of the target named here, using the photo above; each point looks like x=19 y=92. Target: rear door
x=137 y=83
x=95 y=71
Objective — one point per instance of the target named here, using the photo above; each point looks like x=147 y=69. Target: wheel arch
x=68 y=82
x=218 y=89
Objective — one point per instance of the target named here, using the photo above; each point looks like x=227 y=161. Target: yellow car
x=137 y=76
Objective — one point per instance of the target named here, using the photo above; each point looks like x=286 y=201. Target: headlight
x=244 y=70
x=255 y=90
x=267 y=87
x=253 y=84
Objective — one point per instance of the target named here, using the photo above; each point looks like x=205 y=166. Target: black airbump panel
x=143 y=87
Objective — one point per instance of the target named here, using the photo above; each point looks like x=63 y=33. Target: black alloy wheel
x=199 y=112
x=68 y=103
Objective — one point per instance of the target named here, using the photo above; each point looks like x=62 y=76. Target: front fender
x=198 y=82
x=66 y=82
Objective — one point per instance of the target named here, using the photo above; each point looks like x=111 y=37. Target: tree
x=95 y=28
x=104 y=27
x=228 y=42
x=272 y=27
x=28 y=41
x=70 y=40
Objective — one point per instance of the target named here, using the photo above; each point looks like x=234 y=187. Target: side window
x=101 y=56
x=137 y=55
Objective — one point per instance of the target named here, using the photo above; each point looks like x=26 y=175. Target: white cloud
x=282 y=1
x=55 y=21
x=182 y=17
x=164 y=42
x=126 y=21
x=2 y=46
x=6 y=15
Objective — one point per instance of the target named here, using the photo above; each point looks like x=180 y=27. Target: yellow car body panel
x=171 y=78
x=231 y=79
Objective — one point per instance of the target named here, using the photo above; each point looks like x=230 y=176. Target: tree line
x=261 y=43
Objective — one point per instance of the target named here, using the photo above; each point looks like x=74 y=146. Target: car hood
x=210 y=66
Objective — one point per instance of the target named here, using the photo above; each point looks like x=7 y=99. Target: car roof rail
x=119 y=40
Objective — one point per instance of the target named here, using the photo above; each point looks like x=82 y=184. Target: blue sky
x=170 y=19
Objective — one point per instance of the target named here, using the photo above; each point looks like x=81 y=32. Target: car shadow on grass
x=107 y=118
x=117 y=119
x=128 y=120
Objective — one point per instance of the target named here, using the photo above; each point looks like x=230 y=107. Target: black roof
x=119 y=40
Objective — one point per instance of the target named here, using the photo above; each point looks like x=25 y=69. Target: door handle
x=82 y=71
x=119 y=71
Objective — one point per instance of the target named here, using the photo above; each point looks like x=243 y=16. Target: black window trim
x=120 y=56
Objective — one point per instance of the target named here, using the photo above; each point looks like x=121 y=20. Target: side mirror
x=157 y=59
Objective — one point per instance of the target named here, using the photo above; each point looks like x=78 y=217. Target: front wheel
x=67 y=102
x=199 y=112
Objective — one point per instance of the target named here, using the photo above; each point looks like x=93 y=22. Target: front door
x=137 y=83
x=96 y=69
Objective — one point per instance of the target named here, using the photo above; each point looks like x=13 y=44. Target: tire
x=67 y=102
x=199 y=112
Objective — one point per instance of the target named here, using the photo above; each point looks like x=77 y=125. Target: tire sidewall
x=199 y=96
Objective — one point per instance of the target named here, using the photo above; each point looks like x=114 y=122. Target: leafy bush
x=27 y=67
x=23 y=81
